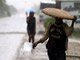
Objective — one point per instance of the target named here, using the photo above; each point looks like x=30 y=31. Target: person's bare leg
x=33 y=39
x=30 y=36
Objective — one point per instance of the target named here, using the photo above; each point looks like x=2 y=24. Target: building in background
x=72 y=6
x=42 y=16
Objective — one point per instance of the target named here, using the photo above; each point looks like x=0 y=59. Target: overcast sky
x=24 y=4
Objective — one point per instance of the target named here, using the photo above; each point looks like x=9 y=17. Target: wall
x=74 y=8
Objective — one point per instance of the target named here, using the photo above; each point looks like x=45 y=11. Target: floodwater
x=9 y=43
x=15 y=23
x=11 y=39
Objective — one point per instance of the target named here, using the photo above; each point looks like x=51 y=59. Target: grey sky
x=24 y=4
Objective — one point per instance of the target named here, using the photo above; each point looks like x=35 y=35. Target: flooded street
x=15 y=23
x=13 y=36
x=10 y=37
x=9 y=43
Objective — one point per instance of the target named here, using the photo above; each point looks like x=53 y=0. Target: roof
x=68 y=0
x=46 y=5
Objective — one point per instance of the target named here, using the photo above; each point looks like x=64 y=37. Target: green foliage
x=76 y=33
x=48 y=20
x=2 y=3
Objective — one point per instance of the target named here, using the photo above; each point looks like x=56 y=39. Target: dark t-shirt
x=57 y=38
x=31 y=25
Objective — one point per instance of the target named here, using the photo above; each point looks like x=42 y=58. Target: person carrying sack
x=58 y=32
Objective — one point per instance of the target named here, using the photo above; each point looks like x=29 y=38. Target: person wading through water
x=58 y=33
x=31 y=26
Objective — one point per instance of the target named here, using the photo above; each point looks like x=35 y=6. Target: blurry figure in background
x=58 y=33
x=26 y=13
x=31 y=25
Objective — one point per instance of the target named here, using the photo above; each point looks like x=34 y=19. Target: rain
x=14 y=43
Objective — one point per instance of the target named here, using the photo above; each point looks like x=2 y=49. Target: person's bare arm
x=70 y=29
x=72 y=25
x=45 y=36
x=27 y=19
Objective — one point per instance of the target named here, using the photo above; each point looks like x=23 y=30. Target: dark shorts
x=30 y=32
x=60 y=55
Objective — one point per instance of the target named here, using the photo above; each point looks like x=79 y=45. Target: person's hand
x=36 y=43
x=75 y=18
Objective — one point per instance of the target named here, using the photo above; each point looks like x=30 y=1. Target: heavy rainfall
x=14 y=43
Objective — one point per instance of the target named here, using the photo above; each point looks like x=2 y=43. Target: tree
x=5 y=10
